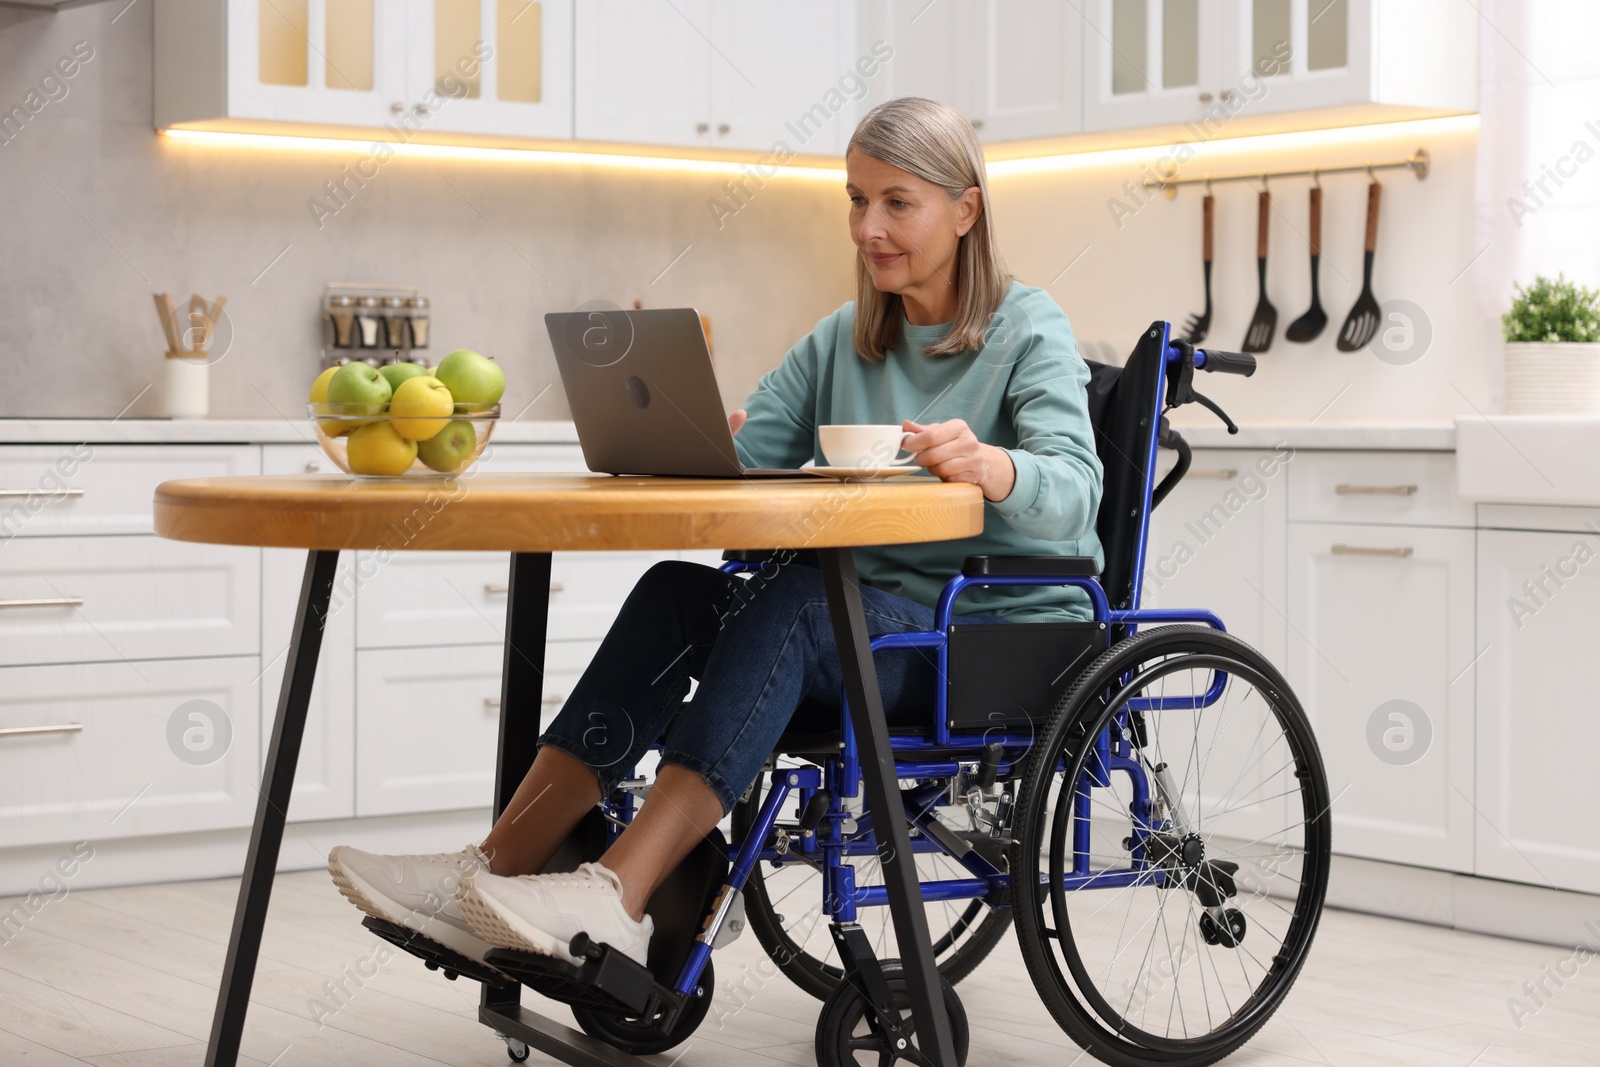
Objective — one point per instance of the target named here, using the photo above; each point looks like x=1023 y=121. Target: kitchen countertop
x=226 y=431
x=1417 y=436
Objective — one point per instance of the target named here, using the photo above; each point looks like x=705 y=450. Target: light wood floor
x=127 y=978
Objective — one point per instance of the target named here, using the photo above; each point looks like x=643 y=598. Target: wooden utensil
x=1258 y=338
x=1198 y=326
x=1362 y=322
x=169 y=320
x=1308 y=326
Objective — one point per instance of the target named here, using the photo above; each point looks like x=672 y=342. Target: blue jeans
x=758 y=647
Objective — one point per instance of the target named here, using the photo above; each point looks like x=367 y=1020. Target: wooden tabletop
x=564 y=512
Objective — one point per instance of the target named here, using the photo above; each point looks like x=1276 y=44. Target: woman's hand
x=953 y=452
x=736 y=421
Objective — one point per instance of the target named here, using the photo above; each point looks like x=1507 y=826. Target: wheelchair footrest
x=608 y=981
x=438 y=957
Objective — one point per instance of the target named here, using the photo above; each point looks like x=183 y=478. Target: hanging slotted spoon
x=1362 y=322
x=1308 y=326
x=1258 y=338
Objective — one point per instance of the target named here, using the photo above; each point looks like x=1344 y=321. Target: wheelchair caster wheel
x=1231 y=937
x=849 y=1025
x=516 y=1050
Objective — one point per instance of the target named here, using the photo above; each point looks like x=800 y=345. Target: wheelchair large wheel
x=1173 y=849
x=784 y=906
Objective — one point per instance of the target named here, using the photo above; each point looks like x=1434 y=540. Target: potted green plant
x=1552 y=337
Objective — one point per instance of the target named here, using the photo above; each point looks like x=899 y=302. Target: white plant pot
x=1552 y=379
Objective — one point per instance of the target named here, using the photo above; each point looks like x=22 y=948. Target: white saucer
x=859 y=474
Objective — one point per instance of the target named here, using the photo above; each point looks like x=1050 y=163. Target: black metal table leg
x=883 y=801
x=266 y=835
x=521 y=690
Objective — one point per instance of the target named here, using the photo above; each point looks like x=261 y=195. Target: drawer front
x=75 y=599
x=459 y=598
x=1409 y=488
x=541 y=458
x=102 y=750
x=424 y=599
x=101 y=489
x=427 y=723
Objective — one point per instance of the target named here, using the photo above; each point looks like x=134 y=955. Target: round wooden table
x=531 y=516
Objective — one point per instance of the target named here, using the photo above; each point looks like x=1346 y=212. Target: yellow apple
x=420 y=408
x=319 y=388
x=376 y=449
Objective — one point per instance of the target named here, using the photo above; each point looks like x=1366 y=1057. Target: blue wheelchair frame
x=942 y=755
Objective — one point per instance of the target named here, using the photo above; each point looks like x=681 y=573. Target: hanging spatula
x=1362 y=322
x=1308 y=326
x=1198 y=326
x=1258 y=338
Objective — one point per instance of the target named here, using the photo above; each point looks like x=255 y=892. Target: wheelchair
x=1140 y=795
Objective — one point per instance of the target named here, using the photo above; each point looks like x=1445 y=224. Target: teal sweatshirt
x=1023 y=391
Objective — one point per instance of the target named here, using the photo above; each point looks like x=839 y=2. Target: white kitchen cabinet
x=88 y=488
x=1151 y=62
x=127 y=748
x=1216 y=542
x=499 y=67
x=1380 y=654
x=83 y=599
x=1014 y=68
x=324 y=785
x=493 y=66
x=427 y=722
x=715 y=73
x=1538 y=601
x=1205 y=62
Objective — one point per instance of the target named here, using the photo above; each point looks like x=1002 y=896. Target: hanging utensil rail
x=1416 y=163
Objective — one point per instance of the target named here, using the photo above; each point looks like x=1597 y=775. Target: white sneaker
x=543 y=912
x=416 y=892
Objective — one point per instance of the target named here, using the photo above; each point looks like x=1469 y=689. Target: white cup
x=862 y=446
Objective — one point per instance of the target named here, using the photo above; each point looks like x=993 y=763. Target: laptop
x=643 y=395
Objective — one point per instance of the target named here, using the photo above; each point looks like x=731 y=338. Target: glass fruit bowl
x=365 y=441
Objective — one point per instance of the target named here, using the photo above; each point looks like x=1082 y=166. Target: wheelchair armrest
x=1030 y=566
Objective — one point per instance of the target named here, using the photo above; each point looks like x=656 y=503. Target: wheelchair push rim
x=1174 y=849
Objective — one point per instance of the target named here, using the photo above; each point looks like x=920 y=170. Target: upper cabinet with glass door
x=1151 y=62
x=448 y=66
x=1159 y=62
x=492 y=66
x=1351 y=54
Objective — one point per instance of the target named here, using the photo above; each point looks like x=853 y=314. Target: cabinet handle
x=1227 y=94
x=1224 y=473
x=32 y=731
x=397 y=107
x=1205 y=98
x=420 y=109
x=496 y=589
x=1346 y=489
x=312 y=466
x=553 y=698
x=702 y=127
x=722 y=127
x=1362 y=550
x=491 y=703
x=45 y=602
x=977 y=124
x=10 y=493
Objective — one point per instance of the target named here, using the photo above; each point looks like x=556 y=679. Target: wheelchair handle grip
x=1225 y=362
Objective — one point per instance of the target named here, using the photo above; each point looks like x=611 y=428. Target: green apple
x=471 y=378
x=420 y=408
x=395 y=373
x=451 y=448
x=358 y=389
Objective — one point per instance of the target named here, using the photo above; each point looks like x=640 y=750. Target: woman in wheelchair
x=983 y=374
x=1138 y=790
